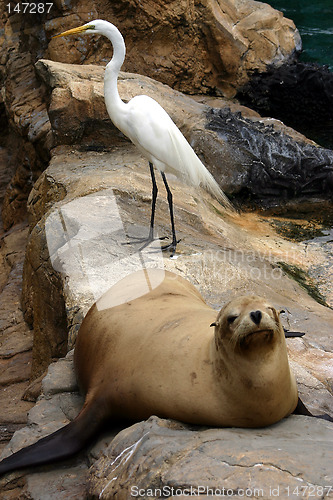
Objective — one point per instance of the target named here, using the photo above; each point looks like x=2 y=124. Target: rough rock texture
x=59 y=405
x=246 y=154
x=208 y=48
x=96 y=191
x=299 y=94
x=81 y=209
x=193 y=47
x=15 y=336
x=272 y=164
x=24 y=120
x=161 y=459
x=163 y=453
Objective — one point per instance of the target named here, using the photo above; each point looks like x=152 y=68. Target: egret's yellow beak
x=74 y=31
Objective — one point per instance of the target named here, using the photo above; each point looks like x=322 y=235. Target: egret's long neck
x=111 y=95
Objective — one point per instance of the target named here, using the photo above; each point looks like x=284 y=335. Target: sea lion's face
x=247 y=323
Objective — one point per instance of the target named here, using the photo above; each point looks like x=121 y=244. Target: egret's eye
x=231 y=319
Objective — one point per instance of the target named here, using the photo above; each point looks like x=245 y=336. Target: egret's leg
x=172 y=245
x=150 y=237
x=153 y=202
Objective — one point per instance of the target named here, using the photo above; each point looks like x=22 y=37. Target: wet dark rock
x=299 y=94
x=276 y=165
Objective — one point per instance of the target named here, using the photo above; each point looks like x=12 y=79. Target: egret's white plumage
x=148 y=125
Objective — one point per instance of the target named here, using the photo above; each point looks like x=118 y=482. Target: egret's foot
x=172 y=247
x=149 y=240
x=146 y=241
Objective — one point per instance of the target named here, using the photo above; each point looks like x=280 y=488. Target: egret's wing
x=151 y=129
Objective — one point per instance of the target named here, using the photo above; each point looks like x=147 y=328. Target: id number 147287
x=29 y=8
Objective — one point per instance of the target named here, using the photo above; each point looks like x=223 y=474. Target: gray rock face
x=162 y=459
x=59 y=404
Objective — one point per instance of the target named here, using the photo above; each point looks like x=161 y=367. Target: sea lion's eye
x=231 y=318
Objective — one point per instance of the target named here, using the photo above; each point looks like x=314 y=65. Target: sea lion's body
x=157 y=354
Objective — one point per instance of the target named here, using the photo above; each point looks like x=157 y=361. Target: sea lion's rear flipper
x=62 y=444
x=301 y=409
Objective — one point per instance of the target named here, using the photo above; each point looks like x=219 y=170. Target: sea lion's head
x=248 y=323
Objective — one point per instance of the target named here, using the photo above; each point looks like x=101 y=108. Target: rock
x=53 y=410
x=16 y=369
x=13 y=409
x=96 y=191
x=214 y=51
x=61 y=484
x=272 y=164
x=5 y=172
x=15 y=336
x=247 y=155
x=80 y=211
x=24 y=116
x=161 y=458
x=197 y=48
x=299 y=94
x=60 y=377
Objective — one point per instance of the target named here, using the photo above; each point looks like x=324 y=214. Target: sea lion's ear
x=282 y=311
x=216 y=323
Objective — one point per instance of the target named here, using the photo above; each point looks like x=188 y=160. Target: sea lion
x=164 y=352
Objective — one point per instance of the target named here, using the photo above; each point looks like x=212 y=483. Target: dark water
x=314 y=20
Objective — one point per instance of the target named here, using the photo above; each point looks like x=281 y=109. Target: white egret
x=151 y=129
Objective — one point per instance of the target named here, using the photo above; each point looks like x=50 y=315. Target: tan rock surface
x=192 y=47
x=15 y=336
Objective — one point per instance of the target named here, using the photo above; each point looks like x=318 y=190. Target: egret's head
x=94 y=27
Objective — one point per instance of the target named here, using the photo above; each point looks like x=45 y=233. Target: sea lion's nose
x=256 y=317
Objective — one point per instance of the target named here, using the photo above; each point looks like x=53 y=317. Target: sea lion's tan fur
x=157 y=354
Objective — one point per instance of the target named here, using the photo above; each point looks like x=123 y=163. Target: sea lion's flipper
x=289 y=334
x=59 y=445
x=301 y=409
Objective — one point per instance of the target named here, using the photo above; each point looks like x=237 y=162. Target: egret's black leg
x=150 y=237
x=172 y=245
x=153 y=201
